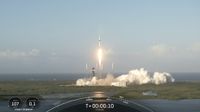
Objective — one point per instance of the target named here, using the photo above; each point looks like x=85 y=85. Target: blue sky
x=62 y=36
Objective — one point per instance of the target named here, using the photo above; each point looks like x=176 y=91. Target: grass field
x=178 y=90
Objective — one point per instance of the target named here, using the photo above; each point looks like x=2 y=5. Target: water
x=71 y=76
x=160 y=105
x=186 y=76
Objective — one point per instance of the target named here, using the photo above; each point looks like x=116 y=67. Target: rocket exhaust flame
x=100 y=56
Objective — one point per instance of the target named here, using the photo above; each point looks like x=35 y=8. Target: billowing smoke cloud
x=138 y=77
x=161 y=78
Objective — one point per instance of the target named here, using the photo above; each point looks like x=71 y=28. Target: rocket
x=99 y=65
x=99 y=41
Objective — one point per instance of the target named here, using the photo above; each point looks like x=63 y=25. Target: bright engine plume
x=100 y=54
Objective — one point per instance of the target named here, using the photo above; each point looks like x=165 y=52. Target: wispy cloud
x=161 y=49
x=17 y=54
x=195 y=47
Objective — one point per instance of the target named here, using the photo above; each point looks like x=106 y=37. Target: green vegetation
x=178 y=90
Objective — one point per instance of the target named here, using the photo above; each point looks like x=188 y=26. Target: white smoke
x=95 y=81
x=161 y=78
x=137 y=76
